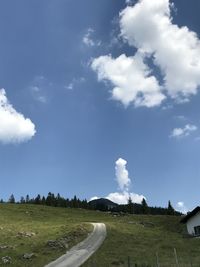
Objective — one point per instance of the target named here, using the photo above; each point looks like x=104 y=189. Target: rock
x=61 y=243
x=132 y=222
x=4 y=247
x=147 y=224
x=28 y=256
x=6 y=259
x=25 y=234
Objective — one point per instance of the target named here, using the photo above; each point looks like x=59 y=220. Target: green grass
x=47 y=223
x=139 y=237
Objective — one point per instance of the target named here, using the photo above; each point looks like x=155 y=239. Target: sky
x=101 y=99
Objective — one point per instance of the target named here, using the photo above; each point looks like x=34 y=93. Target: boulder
x=28 y=256
x=6 y=259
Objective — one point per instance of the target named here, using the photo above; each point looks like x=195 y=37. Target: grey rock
x=28 y=256
x=3 y=247
x=6 y=259
x=26 y=234
x=61 y=243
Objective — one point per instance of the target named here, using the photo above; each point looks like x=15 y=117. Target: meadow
x=47 y=232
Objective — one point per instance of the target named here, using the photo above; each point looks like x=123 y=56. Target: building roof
x=190 y=215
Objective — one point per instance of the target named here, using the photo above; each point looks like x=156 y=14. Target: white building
x=192 y=221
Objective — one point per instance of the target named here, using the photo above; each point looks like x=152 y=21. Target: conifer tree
x=144 y=206
x=38 y=199
x=11 y=199
x=130 y=206
x=27 y=199
x=22 y=200
x=43 y=201
x=170 y=209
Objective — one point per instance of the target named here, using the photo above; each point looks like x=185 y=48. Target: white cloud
x=148 y=27
x=42 y=99
x=129 y=2
x=70 y=86
x=131 y=78
x=185 y=131
x=74 y=82
x=180 y=117
x=39 y=89
x=14 y=127
x=121 y=173
x=37 y=94
x=87 y=38
x=180 y=206
x=93 y=198
x=124 y=182
x=122 y=197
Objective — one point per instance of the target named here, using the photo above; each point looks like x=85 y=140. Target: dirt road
x=81 y=252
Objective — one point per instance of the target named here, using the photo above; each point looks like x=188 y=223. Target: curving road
x=81 y=252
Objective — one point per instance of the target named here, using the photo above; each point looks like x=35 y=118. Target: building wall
x=192 y=222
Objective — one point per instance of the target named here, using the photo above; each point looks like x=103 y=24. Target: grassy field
x=142 y=237
x=28 y=228
x=134 y=236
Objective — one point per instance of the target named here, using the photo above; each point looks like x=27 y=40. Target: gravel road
x=77 y=255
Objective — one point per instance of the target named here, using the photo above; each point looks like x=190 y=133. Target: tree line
x=50 y=200
x=58 y=201
x=134 y=208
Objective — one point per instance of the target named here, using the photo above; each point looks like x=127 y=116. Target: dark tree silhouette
x=144 y=206
x=170 y=209
x=11 y=199
x=130 y=206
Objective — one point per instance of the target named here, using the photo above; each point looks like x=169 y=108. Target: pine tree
x=27 y=199
x=144 y=206
x=130 y=206
x=49 y=199
x=22 y=200
x=11 y=199
x=43 y=201
x=170 y=209
x=37 y=200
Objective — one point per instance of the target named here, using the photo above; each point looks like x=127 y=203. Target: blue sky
x=99 y=94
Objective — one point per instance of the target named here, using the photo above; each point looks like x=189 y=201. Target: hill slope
x=137 y=236
x=102 y=204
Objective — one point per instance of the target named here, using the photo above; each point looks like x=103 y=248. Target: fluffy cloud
x=87 y=38
x=124 y=182
x=185 y=131
x=121 y=173
x=122 y=197
x=180 y=206
x=14 y=127
x=93 y=198
x=129 y=2
x=131 y=78
x=148 y=27
x=176 y=50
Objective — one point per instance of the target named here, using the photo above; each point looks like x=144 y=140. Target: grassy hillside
x=28 y=228
x=142 y=237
